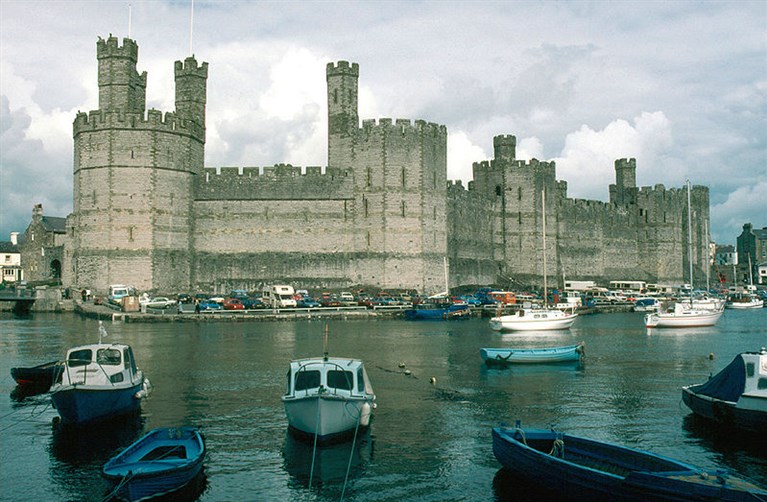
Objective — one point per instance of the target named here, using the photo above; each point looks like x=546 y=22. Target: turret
x=120 y=85
x=505 y=148
x=624 y=191
x=191 y=85
x=342 y=97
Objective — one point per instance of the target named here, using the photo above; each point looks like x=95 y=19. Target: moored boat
x=532 y=355
x=590 y=469
x=162 y=462
x=682 y=316
x=736 y=396
x=40 y=377
x=98 y=382
x=438 y=310
x=744 y=301
x=534 y=319
x=328 y=397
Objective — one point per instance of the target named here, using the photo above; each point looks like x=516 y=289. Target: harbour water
x=427 y=441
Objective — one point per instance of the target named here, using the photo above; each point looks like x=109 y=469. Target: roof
x=55 y=224
x=760 y=233
x=8 y=247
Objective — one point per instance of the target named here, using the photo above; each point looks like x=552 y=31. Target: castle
x=382 y=214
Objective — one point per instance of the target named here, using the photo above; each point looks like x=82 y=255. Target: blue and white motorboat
x=540 y=355
x=736 y=396
x=588 y=469
x=438 y=309
x=162 y=462
x=98 y=382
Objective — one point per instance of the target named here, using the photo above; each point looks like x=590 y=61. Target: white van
x=279 y=296
x=117 y=292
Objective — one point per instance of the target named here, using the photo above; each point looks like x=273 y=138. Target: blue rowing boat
x=595 y=470
x=163 y=461
x=533 y=355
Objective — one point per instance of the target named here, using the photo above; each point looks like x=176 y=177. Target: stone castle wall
x=382 y=214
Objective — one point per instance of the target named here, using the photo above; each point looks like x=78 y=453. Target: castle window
x=370 y=176
x=435 y=213
x=402 y=208
x=519 y=193
x=365 y=207
x=498 y=190
x=368 y=238
x=335 y=96
x=403 y=176
x=519 y=217
x=130 y=234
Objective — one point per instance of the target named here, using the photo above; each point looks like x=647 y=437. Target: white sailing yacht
x=685 y=314
x=536 y=318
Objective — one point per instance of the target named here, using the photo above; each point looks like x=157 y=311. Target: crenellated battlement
x=280 y=181
x=189 y=67
x=403 y=126
x=154 y=120
x=342 y=68
x=109 y=48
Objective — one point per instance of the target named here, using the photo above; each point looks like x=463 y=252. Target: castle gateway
x=382 y=214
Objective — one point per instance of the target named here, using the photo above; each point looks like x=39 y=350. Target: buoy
x=711 y=356
x=407 y=372
x=433 y=380
x=401 y=365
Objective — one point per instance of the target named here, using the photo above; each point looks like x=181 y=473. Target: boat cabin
x=99 y=364
x=333 y=375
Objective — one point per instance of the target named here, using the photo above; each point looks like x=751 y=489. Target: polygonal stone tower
x=134 y=174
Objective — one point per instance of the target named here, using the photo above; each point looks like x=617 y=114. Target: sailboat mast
x=545 y=283
x=689 y=237
x=708 y=261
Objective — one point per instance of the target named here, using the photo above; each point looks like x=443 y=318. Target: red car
x=233 y=304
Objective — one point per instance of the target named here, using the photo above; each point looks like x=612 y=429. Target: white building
x=10 y=261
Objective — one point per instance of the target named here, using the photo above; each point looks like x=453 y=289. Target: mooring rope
x=351 y=453
x=32 y=414
x=119 y=486
x=314 y=448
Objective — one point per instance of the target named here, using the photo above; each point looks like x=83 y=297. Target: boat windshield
x=339 y=379
x=80 y=357
x=308 y=379
x=109 y=357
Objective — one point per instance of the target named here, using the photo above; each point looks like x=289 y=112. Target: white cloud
x=461 y=154
x=740 y=207
x=588 y=157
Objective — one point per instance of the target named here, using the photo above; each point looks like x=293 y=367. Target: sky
x=680 y=86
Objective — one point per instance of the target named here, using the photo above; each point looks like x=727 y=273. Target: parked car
x=207 y=304
x=307 y=302
x=347 y=299
x=330 y=301
x=253 y=303
x=158 y=302
x=233 y=304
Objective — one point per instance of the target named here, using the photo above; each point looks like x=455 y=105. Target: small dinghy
x=595 y=470
x=545 y=355
x=40 y=377
x=163 y=461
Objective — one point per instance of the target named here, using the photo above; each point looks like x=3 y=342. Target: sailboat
x=536 y=318
x=745 y=299
x=685 y=315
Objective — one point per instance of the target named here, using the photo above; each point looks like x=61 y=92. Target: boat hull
x=436 y=314
x=671 y=320
x=39 y=377
x=80 y=404
x=588 y=469
x=725 y=412
x=139 y=478
x=329 y=417
x=529 y=323
x=531 y=356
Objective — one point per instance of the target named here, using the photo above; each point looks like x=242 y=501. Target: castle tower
x=625 y=189
x=134 y=173
x=343 y=117
x=120 y=85
x=505 y=148
x=191 y=84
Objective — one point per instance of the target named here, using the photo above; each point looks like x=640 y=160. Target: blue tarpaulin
x=728 y=384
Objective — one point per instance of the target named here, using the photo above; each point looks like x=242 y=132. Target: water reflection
x=77 y=445
x=331 y=461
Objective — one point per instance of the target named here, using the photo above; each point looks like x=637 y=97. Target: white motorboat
x=98 y=382
x=744 y=301
x=532 y=319
x=682 y=316
x=328 y=397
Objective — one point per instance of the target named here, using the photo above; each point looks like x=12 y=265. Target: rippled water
x=426 y=442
